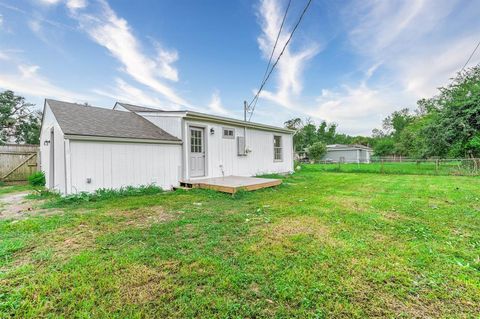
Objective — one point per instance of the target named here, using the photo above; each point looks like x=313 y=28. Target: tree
x=455 y=116
x=17 y=120
x=397 y=121
x=317 y=151
x=384 y=147
x=294 y=124
x=28 y=132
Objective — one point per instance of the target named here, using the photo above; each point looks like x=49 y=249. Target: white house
x=348 y=153
x=84 y=148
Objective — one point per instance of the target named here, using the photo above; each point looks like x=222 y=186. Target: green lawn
x=453 y=167
x=321 y=245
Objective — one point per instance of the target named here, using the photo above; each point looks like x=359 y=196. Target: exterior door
x=197 y=152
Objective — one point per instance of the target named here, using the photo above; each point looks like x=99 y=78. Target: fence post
x=382 y=167
x=436 y=165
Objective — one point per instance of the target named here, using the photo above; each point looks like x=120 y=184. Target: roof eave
x=120 y=139
x=220 y=119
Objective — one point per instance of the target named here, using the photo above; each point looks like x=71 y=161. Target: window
x=228 y=132
x=196 y=141
x=277 y=148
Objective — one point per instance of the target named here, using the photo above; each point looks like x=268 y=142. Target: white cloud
x=115 y=34
x=215 y=105
x=125 y=92
x=35 y=26
x=416 y=45
x=76 y=4
x=48 y=2
x=26 y=79
x=356 y=109
x=291 y=65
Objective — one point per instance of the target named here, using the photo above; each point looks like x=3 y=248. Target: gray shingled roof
x=349 y=146
x=137 y=108
x=77 y=119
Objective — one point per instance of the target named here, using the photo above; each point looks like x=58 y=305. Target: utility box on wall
x=241 y=146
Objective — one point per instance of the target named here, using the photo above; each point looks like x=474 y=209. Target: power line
x=470 y=57
x=273 y=50
x=278 y=58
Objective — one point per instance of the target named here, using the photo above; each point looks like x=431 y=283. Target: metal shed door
x=197 y=152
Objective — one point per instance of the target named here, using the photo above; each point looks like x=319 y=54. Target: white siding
x=222 y=153
x=113 y=165
x=48 y=122
x=170 y=124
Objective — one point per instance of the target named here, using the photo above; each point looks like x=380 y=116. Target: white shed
x=84 y=148
x=341 y=153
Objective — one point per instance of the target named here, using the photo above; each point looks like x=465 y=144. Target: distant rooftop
x=345 y=146
x=137 y=108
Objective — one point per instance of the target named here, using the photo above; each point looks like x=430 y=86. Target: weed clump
x=104 y=194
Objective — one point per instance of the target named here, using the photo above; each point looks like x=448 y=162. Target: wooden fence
x=17 y=162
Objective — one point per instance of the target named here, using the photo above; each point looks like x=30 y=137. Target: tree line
x=446 y=125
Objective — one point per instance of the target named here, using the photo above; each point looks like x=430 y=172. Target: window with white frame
x=228 y=132
x=277 y=148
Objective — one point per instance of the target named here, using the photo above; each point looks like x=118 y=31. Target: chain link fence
x=454 y=167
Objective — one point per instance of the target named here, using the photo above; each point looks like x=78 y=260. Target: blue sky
x=350 y=62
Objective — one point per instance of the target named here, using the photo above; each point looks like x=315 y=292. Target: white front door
x=197 y=152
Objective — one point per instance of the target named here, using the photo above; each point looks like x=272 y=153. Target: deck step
x=186 y=185
x=183 y=188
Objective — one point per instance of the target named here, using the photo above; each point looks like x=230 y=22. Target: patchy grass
x=6 y=189
x=320 y=245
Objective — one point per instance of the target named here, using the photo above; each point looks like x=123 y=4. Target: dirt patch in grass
x=15 y=206
x=283 y=233
x=352 y=204
x=142 y=284
x=298 y=225
x=143 y=217
x=392 y=216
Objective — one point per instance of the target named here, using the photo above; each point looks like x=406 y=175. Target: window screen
x=277 y=148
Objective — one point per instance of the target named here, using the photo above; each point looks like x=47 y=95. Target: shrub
x=103 y=194
x=37 y=179
x=317 y=151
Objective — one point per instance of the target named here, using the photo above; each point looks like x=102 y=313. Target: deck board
x=232 y=184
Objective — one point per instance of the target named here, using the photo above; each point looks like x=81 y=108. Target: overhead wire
x=470 y=57
x=278 y=58
x=273 y=50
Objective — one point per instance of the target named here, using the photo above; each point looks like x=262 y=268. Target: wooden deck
x=231 y=184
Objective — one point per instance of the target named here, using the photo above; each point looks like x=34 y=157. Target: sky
x=349 y=62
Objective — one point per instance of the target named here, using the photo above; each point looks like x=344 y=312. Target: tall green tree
x=18 y=121
x=455 y=117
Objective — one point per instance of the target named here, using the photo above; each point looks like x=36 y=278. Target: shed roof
x=137 y=108
x=77 y=119
x=347 y=147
